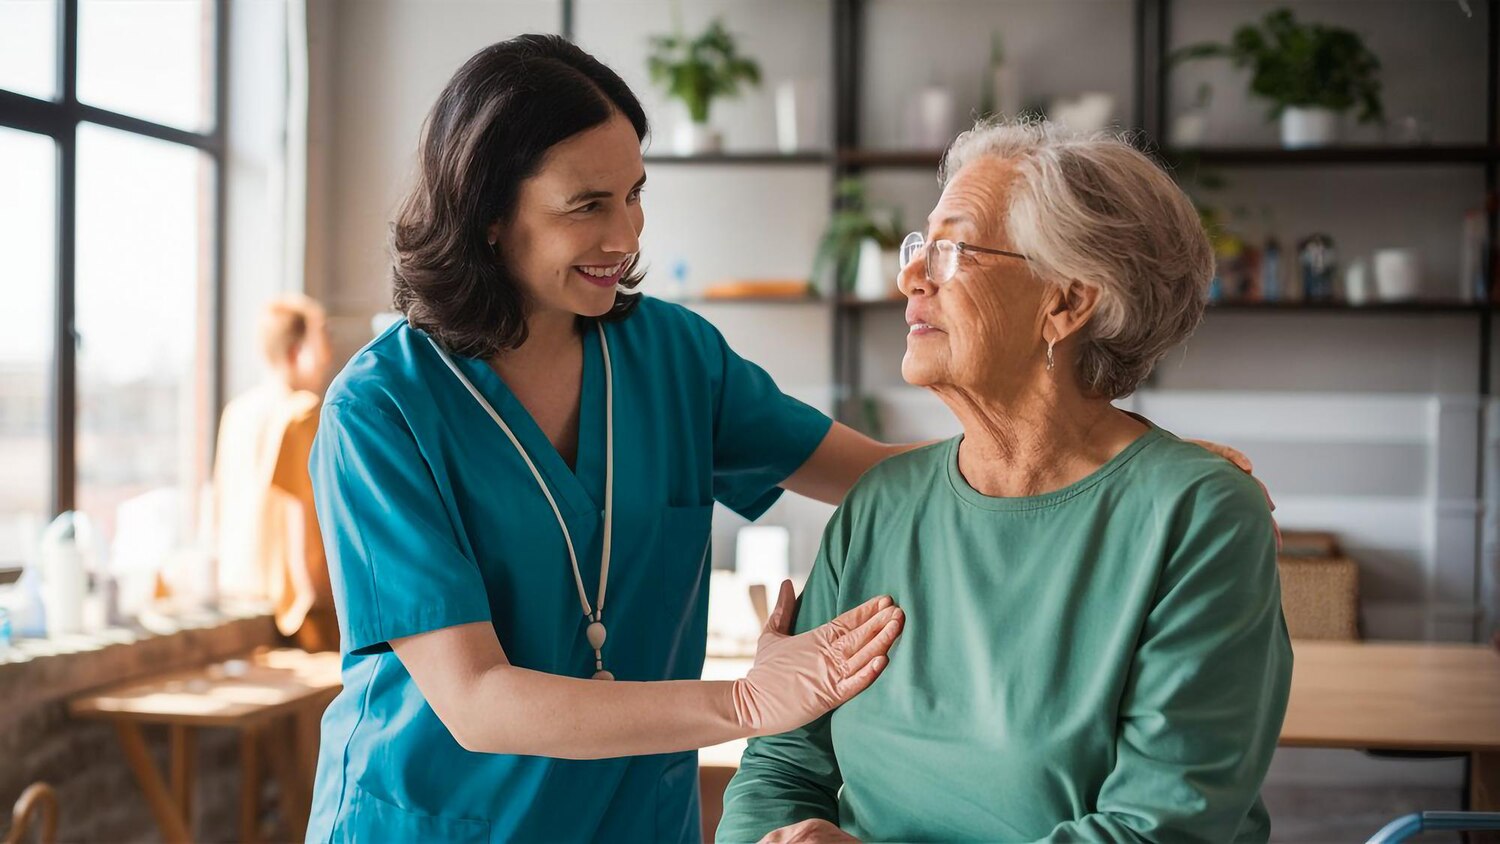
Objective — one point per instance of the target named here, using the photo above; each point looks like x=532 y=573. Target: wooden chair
x=1320 y=597
x=38 y=797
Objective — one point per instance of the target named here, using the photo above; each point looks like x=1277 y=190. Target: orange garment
x=269 y=547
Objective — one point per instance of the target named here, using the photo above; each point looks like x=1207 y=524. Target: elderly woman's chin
x=919 y=369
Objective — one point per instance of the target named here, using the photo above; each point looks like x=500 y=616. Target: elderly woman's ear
x=1067 y=309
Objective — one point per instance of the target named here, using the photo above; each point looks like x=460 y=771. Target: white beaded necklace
x=596 y=631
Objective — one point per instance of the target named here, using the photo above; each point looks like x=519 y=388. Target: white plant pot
x=696 y=139
x=1304 y=128
x=874 y=280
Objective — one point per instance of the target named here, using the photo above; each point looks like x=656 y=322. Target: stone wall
x=97 y=795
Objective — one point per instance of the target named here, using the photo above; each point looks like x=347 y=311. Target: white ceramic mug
x=1398 y=274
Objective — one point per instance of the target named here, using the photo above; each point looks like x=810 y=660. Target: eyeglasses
x=942 y=255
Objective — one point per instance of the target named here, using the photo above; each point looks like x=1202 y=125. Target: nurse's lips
x=602 y=275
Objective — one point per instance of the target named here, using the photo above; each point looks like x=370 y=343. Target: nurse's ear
x=492 y=234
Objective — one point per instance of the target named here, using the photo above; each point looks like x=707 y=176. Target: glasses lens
x=910 y=247
x=944 y=260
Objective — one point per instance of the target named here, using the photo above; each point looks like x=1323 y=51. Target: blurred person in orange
x=268 y=544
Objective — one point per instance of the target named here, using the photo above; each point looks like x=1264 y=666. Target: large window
x=111 y=160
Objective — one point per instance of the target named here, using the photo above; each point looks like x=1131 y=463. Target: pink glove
x=797 y=678
x=816 y=831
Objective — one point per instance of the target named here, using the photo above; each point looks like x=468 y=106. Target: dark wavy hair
x=488 y=132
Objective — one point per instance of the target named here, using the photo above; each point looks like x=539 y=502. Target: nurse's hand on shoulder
x=798 y=678
x=817 y=831
x=1243 y=463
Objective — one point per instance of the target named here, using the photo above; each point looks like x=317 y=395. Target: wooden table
x=1401 y=696
x=269 y=695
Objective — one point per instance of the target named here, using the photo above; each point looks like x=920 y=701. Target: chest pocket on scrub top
x=680 y=563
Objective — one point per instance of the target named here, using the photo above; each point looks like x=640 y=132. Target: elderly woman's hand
x=1239 y=459
x=817 y=831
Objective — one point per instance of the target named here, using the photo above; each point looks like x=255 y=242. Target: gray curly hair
x=1092 y=209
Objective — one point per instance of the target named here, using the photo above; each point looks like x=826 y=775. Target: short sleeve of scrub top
x=761 y=435
x=402 y=569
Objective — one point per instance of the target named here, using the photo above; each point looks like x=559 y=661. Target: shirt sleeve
x=1203 y=706
x=794 y=776
x=761 y=435
x=395 y=561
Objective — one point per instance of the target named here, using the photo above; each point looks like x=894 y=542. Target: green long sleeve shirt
x=1107 y=662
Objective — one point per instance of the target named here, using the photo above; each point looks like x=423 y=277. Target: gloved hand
x=817 y=831
x=797 y=678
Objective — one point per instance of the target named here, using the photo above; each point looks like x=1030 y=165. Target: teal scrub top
x=431 y=519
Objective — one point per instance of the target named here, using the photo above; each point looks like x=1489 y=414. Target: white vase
x=1304 y=128
x=930 y=118
x=797 y=117
x=696 y=139
x=873 y=280
x=1189 y=129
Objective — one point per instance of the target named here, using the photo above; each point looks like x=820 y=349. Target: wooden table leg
x=1484 y=791
x=167 y=813
x=295 y=790
x=308 y=725
x=249 y=785
x=1484 y=777
x=184 y=750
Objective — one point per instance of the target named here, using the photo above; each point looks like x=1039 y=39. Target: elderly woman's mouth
x=920 y=328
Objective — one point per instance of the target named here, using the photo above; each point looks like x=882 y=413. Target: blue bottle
x=1270 y=271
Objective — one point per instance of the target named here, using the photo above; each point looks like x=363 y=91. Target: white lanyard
x=596 y=630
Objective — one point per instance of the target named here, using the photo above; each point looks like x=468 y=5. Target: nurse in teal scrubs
x=515 y=486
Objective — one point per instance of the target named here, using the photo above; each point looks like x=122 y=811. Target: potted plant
x=1311 y=73
x=696 y=71
x=859 y=250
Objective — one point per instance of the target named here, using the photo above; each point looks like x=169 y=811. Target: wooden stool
x=277 y=697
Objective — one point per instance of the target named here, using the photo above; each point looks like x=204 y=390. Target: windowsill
x=151 y=624
x=36 y=672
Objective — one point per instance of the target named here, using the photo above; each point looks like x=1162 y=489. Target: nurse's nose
x=622 y=236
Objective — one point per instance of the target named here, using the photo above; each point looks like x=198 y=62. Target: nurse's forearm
x=490 y=705
x=520 y=711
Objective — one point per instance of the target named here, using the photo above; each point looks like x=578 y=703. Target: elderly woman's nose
x=912 y=280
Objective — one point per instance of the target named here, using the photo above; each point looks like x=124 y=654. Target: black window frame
x=59 y=119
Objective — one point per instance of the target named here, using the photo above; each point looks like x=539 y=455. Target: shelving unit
x=1151 y=42
x=1152 y=45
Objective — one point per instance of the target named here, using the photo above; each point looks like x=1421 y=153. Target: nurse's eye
x=635 y=195
x=586 y=208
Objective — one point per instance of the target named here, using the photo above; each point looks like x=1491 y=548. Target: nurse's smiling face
x=577 y=222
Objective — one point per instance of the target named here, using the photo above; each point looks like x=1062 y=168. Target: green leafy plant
x=1298 y=65
x=851 y=223
x=699 y=70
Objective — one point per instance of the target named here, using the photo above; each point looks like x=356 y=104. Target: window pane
x=28 y=240
x=151 y=59
x=28 y=47
x=144 y=363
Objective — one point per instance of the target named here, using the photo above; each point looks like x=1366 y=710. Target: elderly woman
x=1094 y=647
